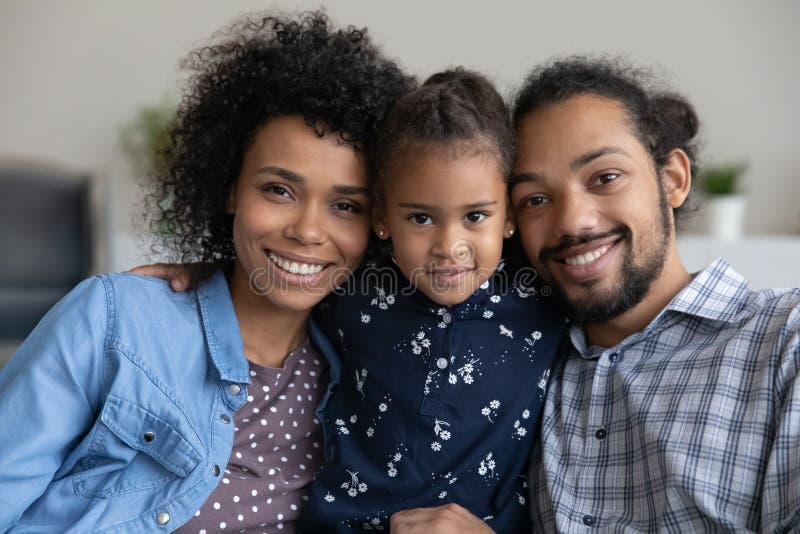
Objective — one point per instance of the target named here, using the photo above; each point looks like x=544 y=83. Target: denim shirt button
x=215 y=470
x=162 y=518
x=225 y=418
x=148 y=437
x=234 y=389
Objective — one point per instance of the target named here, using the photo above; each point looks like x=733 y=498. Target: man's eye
x=347 y=206
x=420 y=218
x=475 y=216
x=533 y=201
x=606 y=178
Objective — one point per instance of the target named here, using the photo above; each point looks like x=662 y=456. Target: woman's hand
x=179 y=275
x=448 y=519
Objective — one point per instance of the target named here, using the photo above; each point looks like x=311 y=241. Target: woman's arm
x=49 y=395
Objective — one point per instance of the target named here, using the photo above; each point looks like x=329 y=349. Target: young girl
x=131 y=408
x=445 y=356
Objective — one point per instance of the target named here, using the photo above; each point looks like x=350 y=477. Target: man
x=676 y=406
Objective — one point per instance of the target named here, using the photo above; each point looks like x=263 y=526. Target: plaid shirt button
x=601 y=434
x=589 y=521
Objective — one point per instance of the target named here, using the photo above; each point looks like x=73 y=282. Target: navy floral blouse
x=435 y=404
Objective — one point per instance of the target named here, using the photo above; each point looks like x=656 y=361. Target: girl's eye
x=420 y=218
x=348 y=207
x=475 y=216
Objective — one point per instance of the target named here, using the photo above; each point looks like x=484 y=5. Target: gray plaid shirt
x=692 y=425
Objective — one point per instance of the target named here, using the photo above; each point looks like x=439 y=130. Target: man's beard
x=634 y=281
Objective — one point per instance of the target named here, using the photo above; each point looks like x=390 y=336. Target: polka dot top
x=277 y=450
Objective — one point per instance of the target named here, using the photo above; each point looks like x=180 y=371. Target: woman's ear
x=676 y=178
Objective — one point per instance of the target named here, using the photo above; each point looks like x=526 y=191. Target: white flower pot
x=726 y=216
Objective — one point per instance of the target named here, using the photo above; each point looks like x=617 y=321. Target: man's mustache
x=569 y=241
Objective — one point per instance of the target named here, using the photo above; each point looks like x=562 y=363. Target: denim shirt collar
x=222 y=329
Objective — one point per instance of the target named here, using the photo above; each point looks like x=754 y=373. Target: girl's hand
x=448 y=519
x=178 y=275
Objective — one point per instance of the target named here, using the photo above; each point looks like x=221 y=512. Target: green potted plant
x=146 y=135
x=722 y=185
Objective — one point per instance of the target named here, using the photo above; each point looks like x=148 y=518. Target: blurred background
x=85 y=84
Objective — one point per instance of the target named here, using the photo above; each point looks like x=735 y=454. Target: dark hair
x=662 y=121
x=261 y=67
x=458 y=109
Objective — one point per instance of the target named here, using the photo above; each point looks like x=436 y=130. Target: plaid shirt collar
x=716 y=293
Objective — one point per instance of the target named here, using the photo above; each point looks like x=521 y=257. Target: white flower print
x=361 y=378
x=382 y=301
x=506 y=332
x=486 y=466
x=436 y=446
x=354 y=486
x=442 y=495
x=420 y=341
x=495 y=298
x=485 y=285
x=526 y=414
x=391 y=465
x=382 y=407
x=365 y=318
x=370 y=432
x=521 y=499
x=491 y=410
x=465 y=372
x=542 y=384
x=439 y=430
x=353 y=419
x=488 y=314
x=329 y=497
x=340 y=426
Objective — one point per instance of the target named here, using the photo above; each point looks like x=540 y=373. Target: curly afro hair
x=261 y=67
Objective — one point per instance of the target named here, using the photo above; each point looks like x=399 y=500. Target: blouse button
x=447 y=319
x=234 y=389
x=441 y=363
x=162 y=518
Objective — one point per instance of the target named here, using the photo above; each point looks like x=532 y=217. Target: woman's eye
x=420 y=218
x=277 y=190
x=475 y=216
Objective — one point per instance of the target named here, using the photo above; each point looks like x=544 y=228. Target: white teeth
x=583 y=259
x=294 y=267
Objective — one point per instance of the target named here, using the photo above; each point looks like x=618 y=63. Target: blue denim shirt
x=116 y=411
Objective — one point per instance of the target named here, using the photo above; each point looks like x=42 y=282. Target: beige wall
x=72 y=71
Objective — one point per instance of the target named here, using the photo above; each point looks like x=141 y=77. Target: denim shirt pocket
x=133 y=449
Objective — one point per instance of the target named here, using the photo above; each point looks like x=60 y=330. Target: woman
x=138 y=409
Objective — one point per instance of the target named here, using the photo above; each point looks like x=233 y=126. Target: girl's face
x=301 y=219
x=446 y=215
